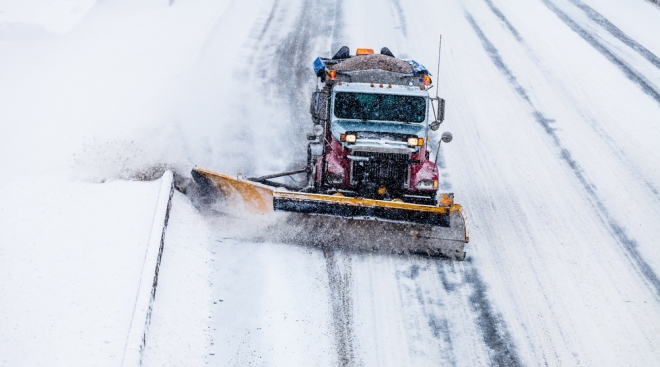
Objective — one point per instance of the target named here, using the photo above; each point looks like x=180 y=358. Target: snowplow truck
x=368 y=160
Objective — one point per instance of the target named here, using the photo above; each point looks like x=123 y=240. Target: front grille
x=383 y=169
x=381 y=136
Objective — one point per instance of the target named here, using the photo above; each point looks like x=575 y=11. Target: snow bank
x=144 y=301
x=179 y=334
x=70 y=262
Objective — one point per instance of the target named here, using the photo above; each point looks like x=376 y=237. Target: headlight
x=318 y=130
x=415 y=142
x=427 y=184
x=350 y=138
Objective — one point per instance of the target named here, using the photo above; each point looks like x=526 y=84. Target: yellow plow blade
x=363 y=224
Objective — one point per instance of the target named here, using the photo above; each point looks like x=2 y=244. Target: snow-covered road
x=555 y=110
x=554 y=107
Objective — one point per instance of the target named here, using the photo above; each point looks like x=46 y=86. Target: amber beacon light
x=426 y=80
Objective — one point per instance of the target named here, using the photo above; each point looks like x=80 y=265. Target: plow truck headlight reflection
x=427 y=184
x=350 y=138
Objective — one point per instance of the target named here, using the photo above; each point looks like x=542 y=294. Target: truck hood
x=342 y=126
x=378 y=145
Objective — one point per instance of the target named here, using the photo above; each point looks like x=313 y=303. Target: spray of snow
x=137 y=159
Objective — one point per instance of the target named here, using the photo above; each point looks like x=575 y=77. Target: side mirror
x=316 y=105
x=446 y=137
x=441 y=110
x=440 y=117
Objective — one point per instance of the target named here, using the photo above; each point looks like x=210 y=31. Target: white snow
x=71 y=257
x=84 y=103
x=270 y=306
x=554 y=159
x=52 y=16
x=179 y=333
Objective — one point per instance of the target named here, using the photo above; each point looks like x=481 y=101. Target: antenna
x=437 y=77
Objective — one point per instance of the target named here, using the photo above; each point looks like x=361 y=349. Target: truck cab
x=371 y=131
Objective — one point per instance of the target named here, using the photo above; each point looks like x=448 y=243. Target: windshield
x=379 y=107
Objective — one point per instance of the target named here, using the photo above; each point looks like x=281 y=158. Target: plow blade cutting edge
x=363 y=224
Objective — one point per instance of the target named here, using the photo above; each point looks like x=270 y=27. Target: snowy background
x=555 y=110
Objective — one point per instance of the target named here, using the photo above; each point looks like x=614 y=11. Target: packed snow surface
x=554 y=107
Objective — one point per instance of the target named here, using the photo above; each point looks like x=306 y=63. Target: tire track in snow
x=232 y=110
x=630 y=73
x=494 y=330
x=620 y=153
x=434 y=310
x=618 y=33
x=269 y=20
x=504 y=19
x=294 y=78
x=628 y=243
x=402 y=17
x=339 y=281
x=469 y=289
x=316 y=20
